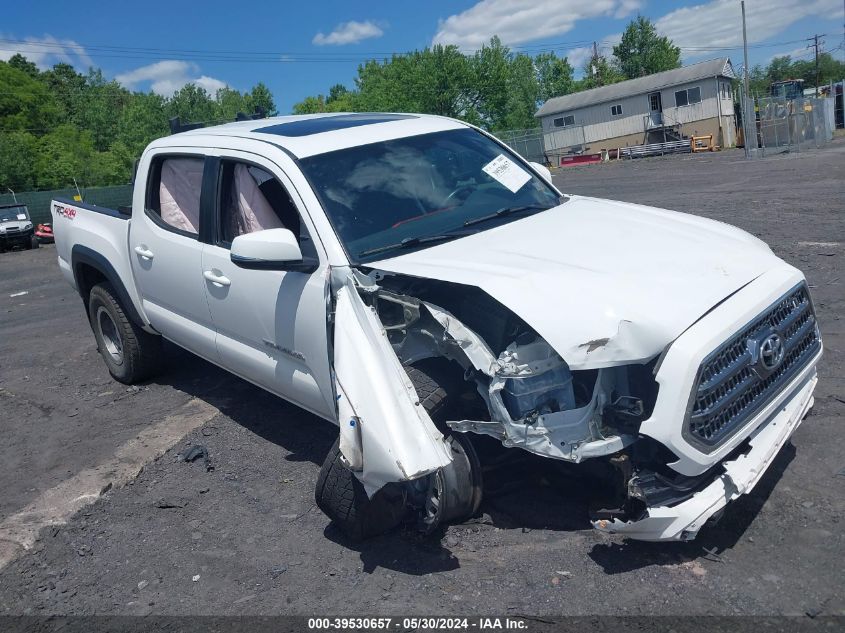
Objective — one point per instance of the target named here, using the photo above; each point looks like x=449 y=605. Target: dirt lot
x=246 y=538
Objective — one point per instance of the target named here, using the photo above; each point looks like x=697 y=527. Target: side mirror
x=272 y=249
x=542 y=170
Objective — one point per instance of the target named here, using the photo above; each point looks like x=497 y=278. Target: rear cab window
x=173 y=193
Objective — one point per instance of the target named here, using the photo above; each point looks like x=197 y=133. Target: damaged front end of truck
x=505 y=382
x=666 y=465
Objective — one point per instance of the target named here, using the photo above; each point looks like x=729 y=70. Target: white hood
x=605 y=283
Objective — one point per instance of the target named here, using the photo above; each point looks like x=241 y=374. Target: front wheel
x=343 y=499
x=131 y=354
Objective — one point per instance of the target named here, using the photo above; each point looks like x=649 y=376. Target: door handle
x=144 y=252
x=220 y=280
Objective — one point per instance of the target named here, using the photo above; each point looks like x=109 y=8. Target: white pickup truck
x=417 y=283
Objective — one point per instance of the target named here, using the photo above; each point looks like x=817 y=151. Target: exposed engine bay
x=532 y=399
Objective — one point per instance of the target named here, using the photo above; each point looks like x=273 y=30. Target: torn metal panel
x=472 y=346
x=398 y=440
x=572 y=435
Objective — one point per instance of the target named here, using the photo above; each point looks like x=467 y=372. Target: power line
x=281 y=57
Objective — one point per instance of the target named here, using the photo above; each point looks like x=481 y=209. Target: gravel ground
x=246 y=538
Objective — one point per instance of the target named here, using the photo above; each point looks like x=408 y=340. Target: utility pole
x=596 y=63
x=816 y=45
x=748 y=122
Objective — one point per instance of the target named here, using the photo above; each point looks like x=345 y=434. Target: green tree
x=192 y=104
x=22 y=64
x=64 y=154
x=336 y=93
x=229 y=103
x=102 y=103
x=598 y=71
x=261 y=97
x=17 y=160
x=554 y=76
x=643 y=52
x=310 y=105
x=522 y=96
x=25 y=102
x=69 y=89
x=141 y=121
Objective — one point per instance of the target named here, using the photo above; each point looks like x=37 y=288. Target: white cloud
x=518 y=21
x=719 y=22
x=349 y=33
x=45 y=51
x=166 y=77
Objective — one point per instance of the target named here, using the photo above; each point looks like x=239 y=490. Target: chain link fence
x=38 y=202
x=527 y=143
x=793 y=125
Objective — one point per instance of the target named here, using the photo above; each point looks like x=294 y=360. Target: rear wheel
x=131 y=354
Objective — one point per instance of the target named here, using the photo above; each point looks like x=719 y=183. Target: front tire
x=343 y=499
x=131 y=354
x=451 y=494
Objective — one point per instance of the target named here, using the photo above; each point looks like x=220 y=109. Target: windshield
x=422 y=190
x=13 y=214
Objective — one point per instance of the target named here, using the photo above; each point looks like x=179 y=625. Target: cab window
x=251 y=199
x=173 y=193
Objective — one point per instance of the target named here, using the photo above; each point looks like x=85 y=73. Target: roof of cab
x=312 y=134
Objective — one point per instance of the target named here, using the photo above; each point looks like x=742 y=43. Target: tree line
x=495 y=88
x=784 y=67
x=58 y=125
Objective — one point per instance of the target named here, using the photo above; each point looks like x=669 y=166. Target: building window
x=564 y=121
x=616 y=110
x=688 y=96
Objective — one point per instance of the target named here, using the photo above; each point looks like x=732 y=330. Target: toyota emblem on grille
x=771 y=352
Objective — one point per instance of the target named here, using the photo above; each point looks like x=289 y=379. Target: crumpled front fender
x=386 y=435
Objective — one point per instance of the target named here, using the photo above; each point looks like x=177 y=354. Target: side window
x=252 y=199
x=173 y=192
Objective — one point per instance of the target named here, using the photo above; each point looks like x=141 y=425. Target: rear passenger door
x=166 y=252
x=271 y=324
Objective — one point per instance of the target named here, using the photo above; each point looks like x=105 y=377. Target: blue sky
x=302 y=48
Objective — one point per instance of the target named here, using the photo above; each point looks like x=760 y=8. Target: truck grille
x=739 y=378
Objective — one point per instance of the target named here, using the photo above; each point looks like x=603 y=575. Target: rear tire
x=131 y=354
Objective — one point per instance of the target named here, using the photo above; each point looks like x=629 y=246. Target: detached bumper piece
x=689 y=506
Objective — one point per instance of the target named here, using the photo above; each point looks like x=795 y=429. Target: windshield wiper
x=506 y=211
x=410 y=242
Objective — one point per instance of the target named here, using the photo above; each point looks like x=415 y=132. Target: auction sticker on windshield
x=507 y=172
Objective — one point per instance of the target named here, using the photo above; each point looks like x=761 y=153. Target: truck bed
x=87 y=234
